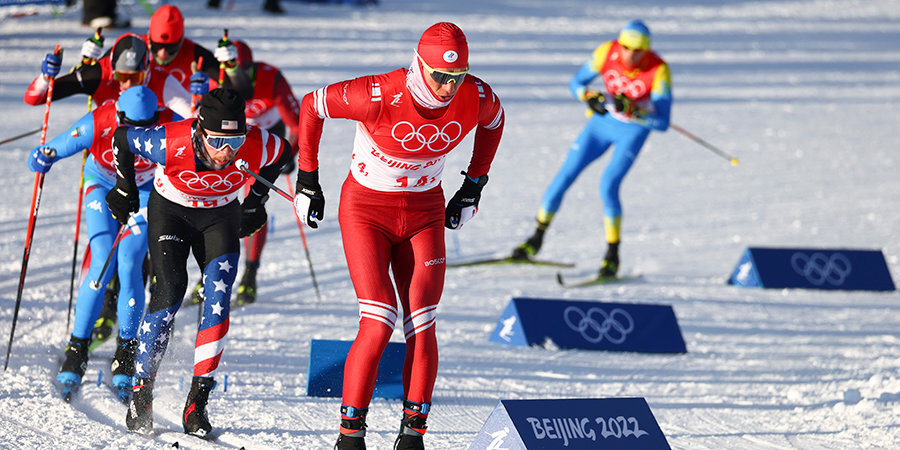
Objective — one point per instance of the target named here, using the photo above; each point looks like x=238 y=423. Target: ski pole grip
x=49 y=152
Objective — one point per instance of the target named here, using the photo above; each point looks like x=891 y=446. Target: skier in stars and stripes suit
x=193 y=207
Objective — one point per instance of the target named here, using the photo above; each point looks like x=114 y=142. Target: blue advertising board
x=812 y=269
x=325 y=374
x=589 y=325
x=608 y=423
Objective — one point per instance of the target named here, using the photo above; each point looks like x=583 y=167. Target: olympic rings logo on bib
x=426 y=136
x=617 y=82
x=211 y=181
x=109 y=157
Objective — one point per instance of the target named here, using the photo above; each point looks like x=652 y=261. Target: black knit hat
x=222 y=111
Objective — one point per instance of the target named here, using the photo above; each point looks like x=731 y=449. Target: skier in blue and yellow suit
x=636 y=97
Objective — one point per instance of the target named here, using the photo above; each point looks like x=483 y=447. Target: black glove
x=253 y=213
x=595 y=102
x=123 y=200
x=464 y=203
x=309 y=202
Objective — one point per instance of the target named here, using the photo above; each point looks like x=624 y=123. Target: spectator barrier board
x=812 y=269
x=325 y=375
x=589 y=325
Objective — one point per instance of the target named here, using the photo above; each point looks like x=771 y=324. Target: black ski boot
x=72 y=369
x=533 y=244
x=610 y=264
x=246 y=291
x=353 y=429
x=105 y=325
x=139 y=418
x=194 y=418
x=123 y=367
x=412 y=430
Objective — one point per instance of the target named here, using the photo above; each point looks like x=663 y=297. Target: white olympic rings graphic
x=417 y=139
x=614 y=326
x=212 y=181
x=819 y=268
x=109 y=157
x=617 y=83
x=178 y=74
x=255 y=107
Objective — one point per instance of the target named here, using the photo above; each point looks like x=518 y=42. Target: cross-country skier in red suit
x=175 y=53
x=193 y=208
x=126 y=64
x=392 y=212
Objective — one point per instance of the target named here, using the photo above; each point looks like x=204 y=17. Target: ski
x=594 y=280
x=510 y=260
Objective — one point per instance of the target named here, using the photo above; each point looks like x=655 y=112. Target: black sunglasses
x=169 y=48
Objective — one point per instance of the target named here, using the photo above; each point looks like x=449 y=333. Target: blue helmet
x=635 y=36
x=137 y=106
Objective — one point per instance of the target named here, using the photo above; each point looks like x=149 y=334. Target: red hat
x=244 y=54
x=443 y=46
x=166 y=25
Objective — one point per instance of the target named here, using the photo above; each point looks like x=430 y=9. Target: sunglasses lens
x=134 y=78
x=169 y=48
x=220 y=142
x=444 y=77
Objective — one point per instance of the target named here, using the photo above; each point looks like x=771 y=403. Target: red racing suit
x=392 y=210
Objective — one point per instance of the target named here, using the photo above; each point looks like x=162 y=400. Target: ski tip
x=559 y=279
x=175 y=445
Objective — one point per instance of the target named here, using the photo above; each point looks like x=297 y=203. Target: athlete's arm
x=661 y=97
x=487 y=135
x=588 y=71
x=146 y=142
x=84 y=80
x=77 y=138
x=288 y=107
x=343 y=100
x=275 y=155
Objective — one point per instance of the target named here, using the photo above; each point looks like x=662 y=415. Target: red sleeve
x=343 y=100
x=487 y=135
x=288 y=107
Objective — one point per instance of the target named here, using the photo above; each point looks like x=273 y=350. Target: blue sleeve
x=582 y=78
x=662 y=105
x=75 y=139
x=148 y=142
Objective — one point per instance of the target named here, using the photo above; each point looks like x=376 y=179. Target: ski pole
x=95 y=285
x=194 y=97
x=98 y=39
x=14 y=138
x=35 y=203
x=222 y=43
x=734 y=161
x=243 y=166
x=77 y=234
x=287 y=179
